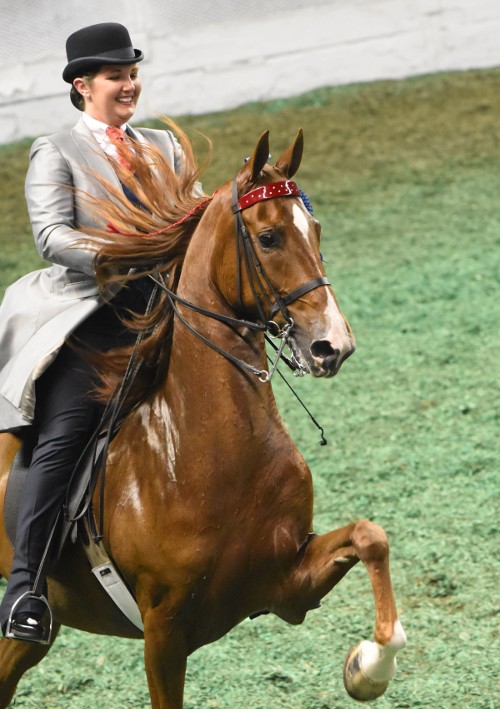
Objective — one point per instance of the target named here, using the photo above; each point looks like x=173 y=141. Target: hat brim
x=73 y=69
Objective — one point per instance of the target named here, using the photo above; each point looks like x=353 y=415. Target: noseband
x=260 y=285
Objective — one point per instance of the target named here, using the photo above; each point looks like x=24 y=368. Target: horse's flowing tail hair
x=142 y=239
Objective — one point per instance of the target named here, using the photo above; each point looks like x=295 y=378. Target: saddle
x=76 y=522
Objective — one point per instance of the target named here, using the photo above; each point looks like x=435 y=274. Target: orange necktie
x=118 y=139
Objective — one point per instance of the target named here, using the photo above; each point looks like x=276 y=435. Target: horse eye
x=267 y=240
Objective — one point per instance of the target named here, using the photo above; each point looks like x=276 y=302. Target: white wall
x=208 y=55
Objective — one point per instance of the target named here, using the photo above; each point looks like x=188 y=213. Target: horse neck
x=209 y=414
x=193 y=363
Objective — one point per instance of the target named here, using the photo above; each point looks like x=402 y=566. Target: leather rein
x=260 y=285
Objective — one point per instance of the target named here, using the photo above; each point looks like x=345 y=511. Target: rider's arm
x=50 y=200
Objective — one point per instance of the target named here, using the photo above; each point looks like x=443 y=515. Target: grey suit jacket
x=43 y=308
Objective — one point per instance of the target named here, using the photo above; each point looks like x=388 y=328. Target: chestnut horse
x=208 y=503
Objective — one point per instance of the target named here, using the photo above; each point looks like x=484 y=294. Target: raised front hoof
x=357 y=684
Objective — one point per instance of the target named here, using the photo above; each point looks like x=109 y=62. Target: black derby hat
x=105 y=43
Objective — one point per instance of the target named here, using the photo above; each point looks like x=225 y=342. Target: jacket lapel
x=136 y=135
x=141 y=140
x=93 y=158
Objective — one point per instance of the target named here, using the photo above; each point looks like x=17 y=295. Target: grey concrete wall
x=208 y=55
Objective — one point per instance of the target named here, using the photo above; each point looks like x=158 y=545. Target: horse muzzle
x=326 y=359
x=322 y=358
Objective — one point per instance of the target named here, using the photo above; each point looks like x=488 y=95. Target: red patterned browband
x=285 y=188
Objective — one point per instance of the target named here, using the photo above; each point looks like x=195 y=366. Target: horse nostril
x=323 y=349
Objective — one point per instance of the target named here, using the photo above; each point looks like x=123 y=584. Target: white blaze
x=301 y=221
x=338 y=332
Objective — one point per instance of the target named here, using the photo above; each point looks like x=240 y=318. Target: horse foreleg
x=165 y=658
x=16 y=658
x=371 y=665
x=321 y=565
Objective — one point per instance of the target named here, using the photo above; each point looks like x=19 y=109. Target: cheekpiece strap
x=284 y=188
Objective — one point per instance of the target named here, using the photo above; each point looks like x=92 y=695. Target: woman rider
x=44 y=311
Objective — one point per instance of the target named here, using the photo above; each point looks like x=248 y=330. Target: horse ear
x=289 y=162
x=258 y=158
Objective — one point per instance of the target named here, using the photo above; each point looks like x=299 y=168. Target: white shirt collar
x=98 y=126
x=98 y=130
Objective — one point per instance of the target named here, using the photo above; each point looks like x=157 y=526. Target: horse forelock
x=245 y=182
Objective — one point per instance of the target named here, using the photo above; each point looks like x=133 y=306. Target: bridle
x=255 y=272
x=258 y=280
x=260 y=286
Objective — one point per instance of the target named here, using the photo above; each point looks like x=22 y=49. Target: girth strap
x=298 y=292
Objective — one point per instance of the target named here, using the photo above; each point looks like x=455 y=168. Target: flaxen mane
x=139 y=240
